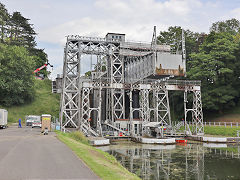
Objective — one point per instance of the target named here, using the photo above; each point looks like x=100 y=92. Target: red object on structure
x=43 y=66
x=120 y=134
x=181 y=141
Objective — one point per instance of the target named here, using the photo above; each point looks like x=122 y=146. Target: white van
x=32 y=118
x=3 y=118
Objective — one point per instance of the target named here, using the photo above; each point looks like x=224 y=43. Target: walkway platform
x=209 y=139
x=154 y=140
x=98 y=141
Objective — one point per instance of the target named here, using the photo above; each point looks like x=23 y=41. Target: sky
x=53 y=20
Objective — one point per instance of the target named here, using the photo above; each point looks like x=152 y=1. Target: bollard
x=225 y=124
x=205 y=123
x=219 y=124
x=237 y=124
x=209 y=124
x=214 y=123
x=231 y=124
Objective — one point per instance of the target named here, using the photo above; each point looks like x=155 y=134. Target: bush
x=79 y=136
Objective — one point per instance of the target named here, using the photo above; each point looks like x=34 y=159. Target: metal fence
x=225 y=124
x=231 y=124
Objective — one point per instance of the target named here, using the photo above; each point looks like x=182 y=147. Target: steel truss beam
x=162 y=108
x=196 y=112
x=70 y=98
x=145 y=109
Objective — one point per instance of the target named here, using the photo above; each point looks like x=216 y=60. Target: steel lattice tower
x=123 y=93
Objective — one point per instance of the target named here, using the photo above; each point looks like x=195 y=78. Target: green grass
x=45 y=102
x=218 y=130
x=221 y=130
x=102 y=164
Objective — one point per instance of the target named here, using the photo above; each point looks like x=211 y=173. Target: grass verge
x=221 y=130
x=102 y=164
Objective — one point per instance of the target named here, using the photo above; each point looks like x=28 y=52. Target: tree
x=22 y=32
x=214 y=65
x=4 y=21
x=16 y=79
x=231 y=26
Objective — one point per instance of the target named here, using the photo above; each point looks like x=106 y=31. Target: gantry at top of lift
x=127 y=92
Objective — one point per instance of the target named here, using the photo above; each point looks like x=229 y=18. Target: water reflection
x=184 y=161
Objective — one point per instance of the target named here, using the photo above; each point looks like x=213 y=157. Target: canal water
x=180 y=161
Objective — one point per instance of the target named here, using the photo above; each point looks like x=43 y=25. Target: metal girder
x=70 y=97
x=85 y=110
x=162 y=108
x=145 y=109
x=177 y=85
x=196 y=112
x=198 y=116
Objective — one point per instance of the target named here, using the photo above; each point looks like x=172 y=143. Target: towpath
x=26 y=154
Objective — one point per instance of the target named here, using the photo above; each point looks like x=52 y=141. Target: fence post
x=225 y=124
x=219 y=124
x=214 y=123
x=237 y=124
x=231 y=124
x=209 y=123
x=205 y=123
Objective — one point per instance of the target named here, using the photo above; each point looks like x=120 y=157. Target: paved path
x=26 y=154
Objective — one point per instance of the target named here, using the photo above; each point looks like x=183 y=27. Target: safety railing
x=225 y=124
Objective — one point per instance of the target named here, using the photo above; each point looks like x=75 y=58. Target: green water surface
x=180 y=161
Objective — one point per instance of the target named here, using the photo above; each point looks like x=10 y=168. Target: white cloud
x=56 y=19
x=235 y=13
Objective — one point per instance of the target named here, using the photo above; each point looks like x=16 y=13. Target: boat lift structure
x=127 y=92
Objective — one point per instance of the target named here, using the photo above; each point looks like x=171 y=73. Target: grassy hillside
x=45 y=102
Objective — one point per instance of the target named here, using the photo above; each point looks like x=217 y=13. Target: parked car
x=31 y=118
x=36 y=123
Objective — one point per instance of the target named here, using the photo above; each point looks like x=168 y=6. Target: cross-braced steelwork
x=126 y=91
x=70 y=98
x=162 y=109
x=145 y=109
x=196 y=113
x=198 y=117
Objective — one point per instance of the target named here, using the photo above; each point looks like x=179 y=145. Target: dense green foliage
x=19 y=57
x=214 y=59
x=16 y=80
x=216 y=65
x=45 y=102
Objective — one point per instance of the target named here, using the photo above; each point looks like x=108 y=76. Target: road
x=26 y=154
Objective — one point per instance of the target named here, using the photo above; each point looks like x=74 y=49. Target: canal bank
x=101 y=163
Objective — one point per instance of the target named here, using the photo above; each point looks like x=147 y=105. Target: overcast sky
x=55 y=19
